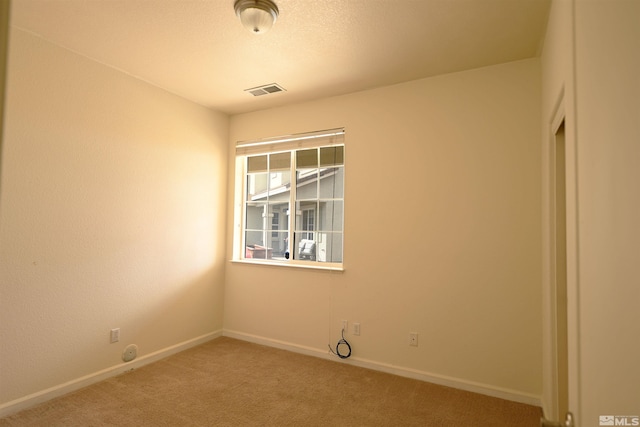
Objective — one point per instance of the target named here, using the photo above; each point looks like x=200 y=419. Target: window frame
x=290 y=144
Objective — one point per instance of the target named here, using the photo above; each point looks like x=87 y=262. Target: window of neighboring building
x=292 y=199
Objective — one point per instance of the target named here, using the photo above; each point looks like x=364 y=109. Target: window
x=292 y=199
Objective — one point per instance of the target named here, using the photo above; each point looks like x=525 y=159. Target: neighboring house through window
x=292 y=198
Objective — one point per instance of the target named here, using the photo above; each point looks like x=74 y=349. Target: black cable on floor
x=341 y=342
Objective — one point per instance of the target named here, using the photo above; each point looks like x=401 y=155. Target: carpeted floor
x=228 y=382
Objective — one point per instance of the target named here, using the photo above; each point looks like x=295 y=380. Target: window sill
x=287 y=264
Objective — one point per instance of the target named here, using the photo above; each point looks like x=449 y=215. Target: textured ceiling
x=199 y=50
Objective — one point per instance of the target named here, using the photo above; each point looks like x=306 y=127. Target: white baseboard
x=78 y=383
x=475 y=387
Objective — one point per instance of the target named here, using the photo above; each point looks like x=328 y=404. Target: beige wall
x=5 y=6
x=442 y=233
x=608 y=137
x=591 y=52
x=112 y=216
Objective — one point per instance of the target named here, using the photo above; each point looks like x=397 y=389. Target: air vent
x=265 y=89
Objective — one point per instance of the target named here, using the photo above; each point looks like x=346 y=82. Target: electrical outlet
x=345 y=325
x=413 y=339
x=356 y=329
x=115 y=335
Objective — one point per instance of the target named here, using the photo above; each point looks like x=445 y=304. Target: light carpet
x=228 y=382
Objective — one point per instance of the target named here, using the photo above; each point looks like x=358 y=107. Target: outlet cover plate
x=413 y=339
x=356 y=329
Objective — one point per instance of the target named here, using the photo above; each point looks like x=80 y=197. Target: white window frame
x=290 y=143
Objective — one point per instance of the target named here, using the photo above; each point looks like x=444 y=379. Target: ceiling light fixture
x=257 y=16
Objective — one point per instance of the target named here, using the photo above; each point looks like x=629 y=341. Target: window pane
x=257 y=163
x=280 y=161
x=278 y=226
x=307 y=158
x=306 y=219
x=307 y=184
x=257 y=186
x=258 y=252
x=254 y=216
x=253 y=243
x=330 y=215
x=278 y=243
x=330 y=248
x=279 y=185
x=327 y=247
x=304 y=248
x=332 y=183
x=254 y=237
x=331 y=156
x=278 y=215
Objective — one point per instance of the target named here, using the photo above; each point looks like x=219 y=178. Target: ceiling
x=199 y=50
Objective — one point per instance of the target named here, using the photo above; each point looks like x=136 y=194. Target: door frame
x=550 y=396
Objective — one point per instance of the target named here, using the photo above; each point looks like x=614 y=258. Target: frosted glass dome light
x=257 y=16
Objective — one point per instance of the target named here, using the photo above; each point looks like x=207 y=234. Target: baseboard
x=488 y=390
x=78 y=383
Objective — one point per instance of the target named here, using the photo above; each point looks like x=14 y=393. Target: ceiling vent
x=265 y=89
